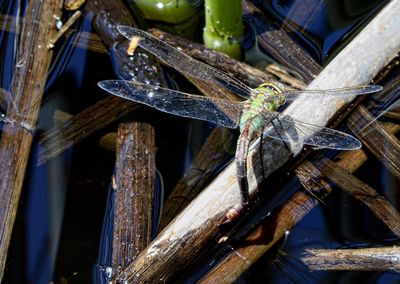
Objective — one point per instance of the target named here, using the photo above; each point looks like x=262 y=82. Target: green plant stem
x=168 y=11
x=224 y=26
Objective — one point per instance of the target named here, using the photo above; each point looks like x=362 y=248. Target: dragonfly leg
x=261 y=152
x=278 y=129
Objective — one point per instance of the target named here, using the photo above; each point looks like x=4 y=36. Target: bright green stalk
x=168 y=11
x=224 y=27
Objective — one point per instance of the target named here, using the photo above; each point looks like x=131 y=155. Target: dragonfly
x=256 y=114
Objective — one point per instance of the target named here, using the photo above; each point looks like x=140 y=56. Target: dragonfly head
x=275 y=91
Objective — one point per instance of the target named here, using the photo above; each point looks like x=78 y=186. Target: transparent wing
x=381 y=110
x=184 y=63
x=342 y=92
x=286 y=128
x=176 y=102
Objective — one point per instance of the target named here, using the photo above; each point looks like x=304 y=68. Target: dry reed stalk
x=276 y=41
x=59 y=138
x=134 y=192
x=383 y=145
x=361 y=191
x=370 y=259
x=33 y=62
x=240 y=70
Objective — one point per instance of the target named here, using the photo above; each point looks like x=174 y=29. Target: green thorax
x=266 y=98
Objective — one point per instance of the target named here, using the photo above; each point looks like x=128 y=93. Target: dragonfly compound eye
x=276 y=88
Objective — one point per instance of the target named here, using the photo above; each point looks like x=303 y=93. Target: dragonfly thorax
x=266 y=98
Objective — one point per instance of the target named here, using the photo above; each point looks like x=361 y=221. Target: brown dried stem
x=275 y=41
x=244 y=72
x=27 y=89
x=383 y=145
x=372 y=259
x=361 y=191
x=61 y=137
x=134 y=192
